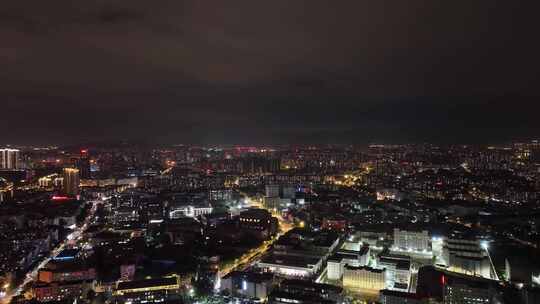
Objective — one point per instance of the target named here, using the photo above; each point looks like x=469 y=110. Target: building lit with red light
x=334 y=224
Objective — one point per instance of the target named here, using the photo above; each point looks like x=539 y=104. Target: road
x=522 y=242
x=75 y=236
x=251 y=256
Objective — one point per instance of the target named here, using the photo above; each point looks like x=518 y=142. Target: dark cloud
x=268 y=71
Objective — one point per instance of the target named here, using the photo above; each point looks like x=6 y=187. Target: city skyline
x=335 y=224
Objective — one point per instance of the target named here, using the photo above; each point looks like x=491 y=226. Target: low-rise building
x=364 y=277
x=337 y=262
x=258 y=222
x=398 y=271
x=147 y=291
x=247 y=284
x=456 y=288
x=58 y=291
x=189 y=211
x=411 y=240
x=292 y=266
x=66 y=271
x=334 y=223
x=305 y=292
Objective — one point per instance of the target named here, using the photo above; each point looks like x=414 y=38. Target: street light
x=484 y=245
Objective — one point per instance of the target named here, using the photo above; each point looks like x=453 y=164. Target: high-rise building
x=9 y=159
x=6 y=190
x=71 y=182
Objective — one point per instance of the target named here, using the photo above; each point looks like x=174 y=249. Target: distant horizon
x=256 y=145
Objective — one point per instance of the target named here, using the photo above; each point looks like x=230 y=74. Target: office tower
x=9 y=159
x=83 y=164
x=6 y=190
x=71 y=182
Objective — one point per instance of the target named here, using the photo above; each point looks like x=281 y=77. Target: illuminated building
x=147 y=291
x=9 y=159
x=220 y=195
x=71 y=182
x=189 y=211
x=66 y=272
x=50 y=181
x=373 y=239
x=365 y=278
x=273 y=203
x=258 y=165
x=48 y=292
x=411 y=240
x=388 y=194
x=292 y=266
x=126 y=217
x=398 y=271
x=6 y=190
x=468 y=257
x=278 y=197
x=247 y=284
x=337 y=262
x=258 y=222
x=334 y=223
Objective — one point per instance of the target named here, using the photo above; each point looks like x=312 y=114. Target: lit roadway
x=32 y=274
x=251 y=256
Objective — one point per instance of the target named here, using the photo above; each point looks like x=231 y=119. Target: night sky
x=297 y=71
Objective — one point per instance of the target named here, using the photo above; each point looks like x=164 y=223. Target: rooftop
x=159 y=282
x=288 y=260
